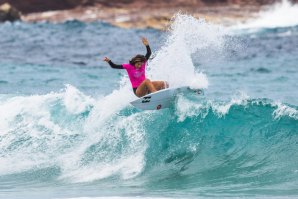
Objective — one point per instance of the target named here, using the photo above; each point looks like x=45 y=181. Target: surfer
x=136 y=69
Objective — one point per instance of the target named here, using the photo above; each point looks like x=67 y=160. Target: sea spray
x=186 y=36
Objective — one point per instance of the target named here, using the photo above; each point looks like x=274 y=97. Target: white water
x=282 y=14
x=44 y=131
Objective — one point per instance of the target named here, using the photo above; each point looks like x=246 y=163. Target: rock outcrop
x=31 y=6
x=9 y=13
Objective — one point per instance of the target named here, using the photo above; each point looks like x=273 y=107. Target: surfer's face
x=138 y=64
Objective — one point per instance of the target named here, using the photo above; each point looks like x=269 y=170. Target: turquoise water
x=67 y=129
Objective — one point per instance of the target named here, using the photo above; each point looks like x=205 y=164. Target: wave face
x=240 y=147
x=67 y=129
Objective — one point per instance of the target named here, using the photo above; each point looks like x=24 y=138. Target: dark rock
x=9 y=13
x=30 y=6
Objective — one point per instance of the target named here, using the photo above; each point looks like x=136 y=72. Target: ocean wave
x=85 y=139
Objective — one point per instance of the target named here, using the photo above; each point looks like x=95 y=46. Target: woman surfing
x=136 y=69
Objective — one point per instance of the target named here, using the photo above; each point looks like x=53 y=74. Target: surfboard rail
x=161 y=99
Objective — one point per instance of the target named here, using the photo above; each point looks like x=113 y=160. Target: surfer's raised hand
x=145 y=41
x=106 y=59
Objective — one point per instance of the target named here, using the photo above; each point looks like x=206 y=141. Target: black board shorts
x=135 y=90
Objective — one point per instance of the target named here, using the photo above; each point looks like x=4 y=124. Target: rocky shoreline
x=157 y=18
x=146 y=14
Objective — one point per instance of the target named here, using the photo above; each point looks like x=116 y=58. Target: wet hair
x=137 y=58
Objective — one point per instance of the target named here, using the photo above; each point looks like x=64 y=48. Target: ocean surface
x=67 y=129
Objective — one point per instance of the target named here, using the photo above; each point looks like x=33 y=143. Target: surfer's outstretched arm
x=117 y=66
x=146 y=43
x=148 y=54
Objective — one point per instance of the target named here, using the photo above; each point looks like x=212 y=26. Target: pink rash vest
x=136 y=76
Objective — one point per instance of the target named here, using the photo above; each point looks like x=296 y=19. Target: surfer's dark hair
x=137 y=58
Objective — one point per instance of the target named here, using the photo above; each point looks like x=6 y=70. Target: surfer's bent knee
x=147 y=81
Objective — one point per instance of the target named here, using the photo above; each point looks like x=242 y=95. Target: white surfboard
x=162 y=99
